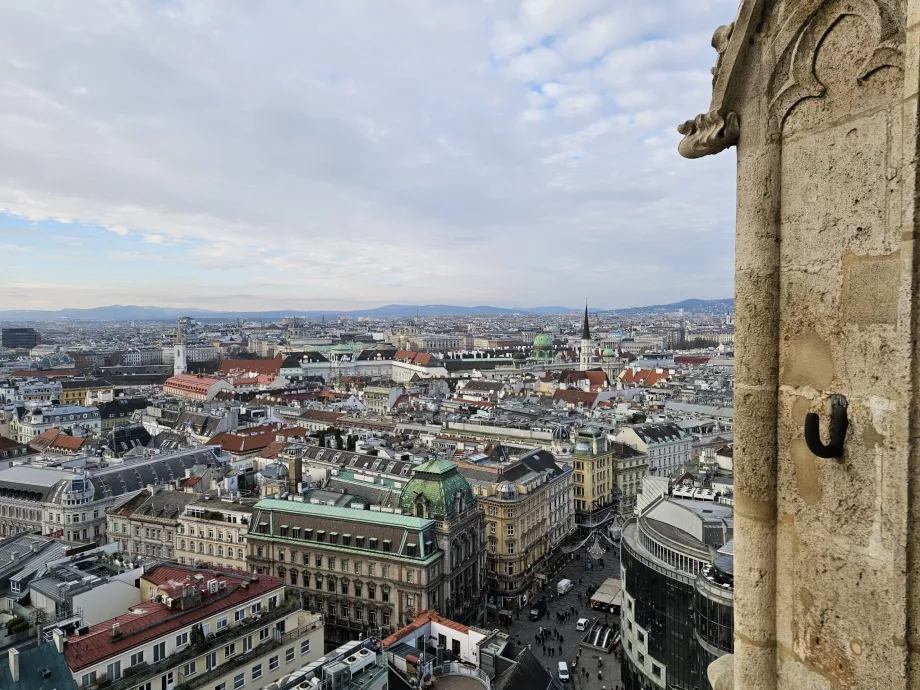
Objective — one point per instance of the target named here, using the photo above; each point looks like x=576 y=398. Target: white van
x=582 y=624
x=563 y=587
x=563 y=672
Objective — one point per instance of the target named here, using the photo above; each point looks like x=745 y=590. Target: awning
x=505 y=612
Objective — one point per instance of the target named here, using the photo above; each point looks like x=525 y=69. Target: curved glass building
x=677 y=598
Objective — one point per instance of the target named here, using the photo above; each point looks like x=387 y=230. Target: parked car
x=563 y=672
x=582 y=624
x=538 y=611
x=564 y=586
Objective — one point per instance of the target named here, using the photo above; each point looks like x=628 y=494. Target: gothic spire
x=585 y=331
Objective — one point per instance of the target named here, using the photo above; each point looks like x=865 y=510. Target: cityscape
x=352 y=480
x=404 y=345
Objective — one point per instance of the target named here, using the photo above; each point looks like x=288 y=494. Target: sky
x=308 y=154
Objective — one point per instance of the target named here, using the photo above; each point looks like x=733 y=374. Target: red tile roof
x=54 y=439
x=423 y=359
x=644 y=377
x=259 y=366
x=254 y=438
x=419 y=621
x=575 y=397
x=192 y=383
x=152 y=620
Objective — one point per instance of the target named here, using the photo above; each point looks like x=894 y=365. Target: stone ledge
x=721 y=673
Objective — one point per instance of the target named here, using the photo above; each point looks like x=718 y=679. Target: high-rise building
x=20 y=338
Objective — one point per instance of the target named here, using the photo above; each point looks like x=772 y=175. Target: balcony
x=277 y=641
x=455 y=669
x=139 y=673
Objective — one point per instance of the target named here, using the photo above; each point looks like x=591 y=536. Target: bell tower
x=586 y=344
x=180 y=362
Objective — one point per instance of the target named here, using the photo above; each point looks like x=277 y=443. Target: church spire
x=585 y=331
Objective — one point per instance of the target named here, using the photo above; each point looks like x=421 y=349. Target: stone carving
x=720 y=42
x=800 y=37
x=719 y=128
x=708 y=133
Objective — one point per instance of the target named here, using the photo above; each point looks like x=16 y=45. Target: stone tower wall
x=820 y=98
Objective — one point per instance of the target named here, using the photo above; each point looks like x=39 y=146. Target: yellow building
x=594 y=464
x=197 y=629
x=85 y=392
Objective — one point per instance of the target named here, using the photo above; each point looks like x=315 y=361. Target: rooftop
x=352 y=514
x=40 y=668
x=152 y=620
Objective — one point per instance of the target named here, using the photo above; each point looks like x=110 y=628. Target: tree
x=339 y=443
x=351 y=443
x=321 y=439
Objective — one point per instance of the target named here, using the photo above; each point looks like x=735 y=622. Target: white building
x=668 y=447
x=72 y=505
x=194 y=629
x=71 y=419
x=143 y=356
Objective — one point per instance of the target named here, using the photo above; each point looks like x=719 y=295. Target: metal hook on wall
x=838 y=430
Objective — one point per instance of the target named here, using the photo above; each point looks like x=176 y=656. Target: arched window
x=182 y=544
x=239 y=554
x=293 y=577
x=201 y=547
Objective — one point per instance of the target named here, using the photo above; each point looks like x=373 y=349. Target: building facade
x=663 y=555
x=630 y=468
x=668 y=447
x=438 y=491
x=194 y=629
x=367 y=572
x=214 y=532
x=594 y=466
x=73 y=505
x=147 y=524
x=527 y=504
x=74 y=420
x=20 y=338
x=85 y=392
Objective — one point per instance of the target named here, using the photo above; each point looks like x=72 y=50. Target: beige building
x=194 y=629
x=368 y=572
x=528 y=510
x=630 y=467
x=146 y=524
x=213 y=531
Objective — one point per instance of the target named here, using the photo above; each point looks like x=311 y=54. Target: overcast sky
x=349 y=153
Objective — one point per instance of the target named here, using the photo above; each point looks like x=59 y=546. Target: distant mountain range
x=708 y=306
x=117 y=312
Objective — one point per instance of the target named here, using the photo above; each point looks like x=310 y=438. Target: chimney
x=58 y=635
x=13 y=556
x=14 y=664
x=116 y=630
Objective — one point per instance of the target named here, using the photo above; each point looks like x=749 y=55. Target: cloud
x=503 y=152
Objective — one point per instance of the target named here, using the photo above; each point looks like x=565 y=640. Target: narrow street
x=523 y=630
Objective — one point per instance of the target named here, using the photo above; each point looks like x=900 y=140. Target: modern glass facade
x=664 y=609
x=678 y=608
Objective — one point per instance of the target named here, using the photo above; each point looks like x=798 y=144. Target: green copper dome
x=608 y=352
x=437 y=491
x=543 y=341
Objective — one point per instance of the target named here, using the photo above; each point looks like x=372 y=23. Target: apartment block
x=194 y=628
